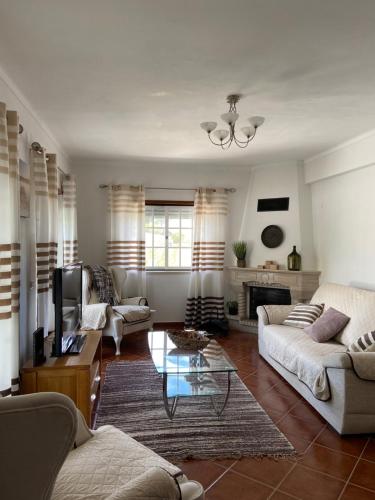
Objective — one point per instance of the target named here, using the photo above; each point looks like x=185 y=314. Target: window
x=169 y=234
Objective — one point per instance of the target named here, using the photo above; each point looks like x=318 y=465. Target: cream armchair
x=47 y=452
x=131 y=315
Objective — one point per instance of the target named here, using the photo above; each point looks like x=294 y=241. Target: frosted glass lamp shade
x=208 y=126
x=248 y=131
x=221 y=134
x=256 y=121
x=230 y=118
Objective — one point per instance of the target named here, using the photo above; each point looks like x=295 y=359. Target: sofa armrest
x=134 y=301
x=362 y=363
x=273 y=314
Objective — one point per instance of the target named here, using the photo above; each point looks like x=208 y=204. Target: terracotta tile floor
x=328 y=466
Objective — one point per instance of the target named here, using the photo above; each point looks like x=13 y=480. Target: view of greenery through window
x=168 y=236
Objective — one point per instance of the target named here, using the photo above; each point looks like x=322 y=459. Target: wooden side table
x=76 y=376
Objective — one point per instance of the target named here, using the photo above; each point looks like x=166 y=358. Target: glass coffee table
x=190 y=373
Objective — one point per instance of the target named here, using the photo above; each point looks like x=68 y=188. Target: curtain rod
x=35 y=146
x=227 y=190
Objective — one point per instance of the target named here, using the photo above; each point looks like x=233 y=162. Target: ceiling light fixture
x=230 y=118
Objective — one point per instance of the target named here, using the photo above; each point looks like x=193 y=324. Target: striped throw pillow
x=304 y=315
x=365 y=343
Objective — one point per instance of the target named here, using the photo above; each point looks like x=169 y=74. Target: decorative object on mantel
x=189 y=339
x=272 y=236
x=271 y=265
x=239 y=250
x=294 y=260
x=230 y=118
x=232 y=307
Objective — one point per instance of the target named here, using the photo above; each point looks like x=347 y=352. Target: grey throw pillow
x=328 y=325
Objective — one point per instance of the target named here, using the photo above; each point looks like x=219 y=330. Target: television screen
x=67 y=288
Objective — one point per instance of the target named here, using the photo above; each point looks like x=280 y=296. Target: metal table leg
x=217 y=409
x=170 y=411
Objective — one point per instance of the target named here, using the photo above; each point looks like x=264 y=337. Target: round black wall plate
x=272 y=236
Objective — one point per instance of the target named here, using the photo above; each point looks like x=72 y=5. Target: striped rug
x=131 y=399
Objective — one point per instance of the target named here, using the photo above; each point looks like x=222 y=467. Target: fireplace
x=260 y=294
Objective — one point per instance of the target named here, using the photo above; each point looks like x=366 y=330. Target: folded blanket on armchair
x=103 y=284
x=94 y=316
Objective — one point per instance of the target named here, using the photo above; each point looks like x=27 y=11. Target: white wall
x=342 y=183
x=34 y=130
x=166 y=291
x=275 y=181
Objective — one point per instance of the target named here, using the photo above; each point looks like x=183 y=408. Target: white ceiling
x=134 y=78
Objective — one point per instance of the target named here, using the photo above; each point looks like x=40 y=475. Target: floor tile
x=369 y=453
x=311 y=485
x=203 y=471
x=304 y=410
x=306 y=429
x=353 y=492
x=267 y=470
x=364 y=474
x=348 y=444
x=273 y=399
x=331 y=462
x=233 y=486
x=279 y=495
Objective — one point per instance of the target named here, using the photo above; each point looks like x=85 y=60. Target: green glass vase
x=294 y=260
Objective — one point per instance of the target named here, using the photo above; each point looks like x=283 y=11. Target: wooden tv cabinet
x=77 y=376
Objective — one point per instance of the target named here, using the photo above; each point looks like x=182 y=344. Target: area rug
x=131 y=399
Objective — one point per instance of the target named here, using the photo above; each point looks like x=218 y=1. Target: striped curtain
x=206 y=290
x=45 y=189
x=9 y=253
x=69 y=188
x=126 y=235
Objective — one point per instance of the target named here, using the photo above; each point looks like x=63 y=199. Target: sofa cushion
x=132 y=313
x=299 y=354
x=365 y=343
x=356 y=303
x=303 y=315
x=330 y=323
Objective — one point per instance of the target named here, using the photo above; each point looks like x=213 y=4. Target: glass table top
x=169 y=359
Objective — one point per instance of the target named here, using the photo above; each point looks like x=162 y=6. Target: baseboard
x=168 y=325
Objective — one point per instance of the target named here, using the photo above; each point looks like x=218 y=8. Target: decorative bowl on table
x=189 y=339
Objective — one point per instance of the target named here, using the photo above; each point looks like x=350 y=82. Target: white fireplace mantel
x=302 y=284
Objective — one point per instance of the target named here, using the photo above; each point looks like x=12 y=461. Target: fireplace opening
x=261 y=295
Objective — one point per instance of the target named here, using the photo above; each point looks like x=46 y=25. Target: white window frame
x=167 y=209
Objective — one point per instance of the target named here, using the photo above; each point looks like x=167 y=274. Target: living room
x=108 y=173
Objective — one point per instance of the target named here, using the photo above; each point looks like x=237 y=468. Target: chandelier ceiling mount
x=227 y=137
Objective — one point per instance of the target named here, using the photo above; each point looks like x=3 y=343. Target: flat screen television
x=67 y=297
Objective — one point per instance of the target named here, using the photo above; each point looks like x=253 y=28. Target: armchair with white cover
x=132 y=314
x=48 y=452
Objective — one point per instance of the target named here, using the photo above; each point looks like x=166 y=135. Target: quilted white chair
x=47 y=452
x=131 y=315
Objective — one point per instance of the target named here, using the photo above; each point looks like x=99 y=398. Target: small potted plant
x=239 y=250
x=232 y=307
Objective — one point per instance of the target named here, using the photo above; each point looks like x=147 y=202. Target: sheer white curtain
x=126 y=235
x=69 y=206
x=206 y=289
x=44 y=186
x=9 y=253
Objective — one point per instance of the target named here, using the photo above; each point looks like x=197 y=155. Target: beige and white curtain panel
x=44 y=185
x=206 y=289
x=9 y=253
x=70 y=242
x=126 y=235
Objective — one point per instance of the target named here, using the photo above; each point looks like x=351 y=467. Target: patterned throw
x=103 y=284
x=304 y=315
x=365 y=343
x=206 y=295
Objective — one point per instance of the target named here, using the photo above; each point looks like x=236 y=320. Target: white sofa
x=131 y=315
x=47 y=452
x=338 y=384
